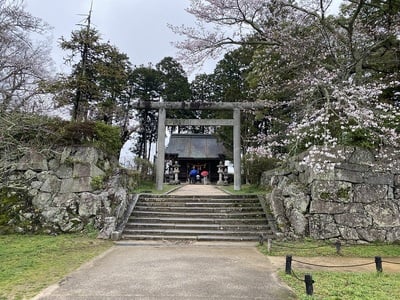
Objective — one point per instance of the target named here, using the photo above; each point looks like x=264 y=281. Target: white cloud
x=137 y=27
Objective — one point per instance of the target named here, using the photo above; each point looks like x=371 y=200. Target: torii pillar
x=160 y=159
x=237 y=164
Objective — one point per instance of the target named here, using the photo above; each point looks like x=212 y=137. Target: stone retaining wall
x=67 y=190
x=341 y=193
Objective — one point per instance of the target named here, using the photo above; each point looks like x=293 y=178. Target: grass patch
x=309 y=248
x=244 y=189
x=346 y=285
x=30 y=263
x=339 y=285
x=149 y=187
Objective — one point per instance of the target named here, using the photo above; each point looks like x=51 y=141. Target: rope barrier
x=325 y=266
x=295 y=276
x=308 y=280
x=391 y=262
x=300 y=248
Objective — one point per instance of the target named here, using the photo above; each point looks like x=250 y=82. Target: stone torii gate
x=236 y=107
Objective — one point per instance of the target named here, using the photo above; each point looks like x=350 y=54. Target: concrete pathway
x=197 y=189
x=175 y=270
x=134 y=270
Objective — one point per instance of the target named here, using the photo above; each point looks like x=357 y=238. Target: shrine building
x=202 y=151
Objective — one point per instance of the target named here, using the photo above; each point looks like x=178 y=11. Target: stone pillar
x=236 y=150
x=176 y=172
x=160 y=161
x=220 y=172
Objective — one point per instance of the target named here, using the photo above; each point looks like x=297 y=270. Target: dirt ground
x=279 y=263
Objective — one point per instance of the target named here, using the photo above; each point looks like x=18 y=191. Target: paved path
x=197 y=189
x=171 y=271
x=180 y=270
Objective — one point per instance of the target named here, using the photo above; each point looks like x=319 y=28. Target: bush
x=107 y=138
x=255 y=165
x=29 y=130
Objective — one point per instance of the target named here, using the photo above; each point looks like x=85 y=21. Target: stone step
x=201 y=209
x=195 y=226
x=199 y=204
x=190 y=232
x=205 y=201
x=200 y=197
x=230 y=215
x=192 y=238
x=188 y=220
x=208 y=218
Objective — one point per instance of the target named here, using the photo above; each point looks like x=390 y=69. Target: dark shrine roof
x=194 y=146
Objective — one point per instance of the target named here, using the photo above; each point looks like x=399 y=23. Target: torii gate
x=163 y=122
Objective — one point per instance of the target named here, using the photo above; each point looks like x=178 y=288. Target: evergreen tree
x=176 y=87
x=146 y=85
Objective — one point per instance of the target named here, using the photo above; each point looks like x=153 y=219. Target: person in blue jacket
x=192 y=175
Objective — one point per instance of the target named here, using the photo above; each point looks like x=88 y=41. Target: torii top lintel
x=200 y=105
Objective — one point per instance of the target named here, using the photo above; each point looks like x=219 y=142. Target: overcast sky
x=136 y=27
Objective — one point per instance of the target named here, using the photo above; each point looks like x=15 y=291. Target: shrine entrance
x=236 y=107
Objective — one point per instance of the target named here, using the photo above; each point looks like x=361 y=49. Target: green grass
x=346 y=285
x=309 y=248
x=339 y=285
x=30 y=263
x=150 y=188
x=244 y=189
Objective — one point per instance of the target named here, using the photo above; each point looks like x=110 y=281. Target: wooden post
x=288 y=267
x=309 y=284
x=378 y=263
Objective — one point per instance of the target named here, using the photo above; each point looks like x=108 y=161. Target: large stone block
x=86 y=154
x=76 y=185
x=372 y=234
x=32 y=161
x=298 y=222
x=393 y=234
x=349 y=176
x=51 y=184
x=295 y=196
x=323 y=227
x=379 y=179
x=367 y=193
x=64 y=171
x=330 y=190
x=354 y=220
x=348 y=233
x=108 y=228
x=93 y=204
x=86 y=170
x=384 y=214
x=327 y=207
x=42 y=200
x=312 y=174
x=69 y=201
x=362 y=156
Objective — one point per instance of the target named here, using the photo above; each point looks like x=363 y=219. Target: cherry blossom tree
x=329 y=79
x=23 y=61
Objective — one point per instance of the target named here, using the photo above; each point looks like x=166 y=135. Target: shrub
x=255 y=165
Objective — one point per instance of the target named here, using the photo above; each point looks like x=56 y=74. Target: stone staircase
x=201 y=218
